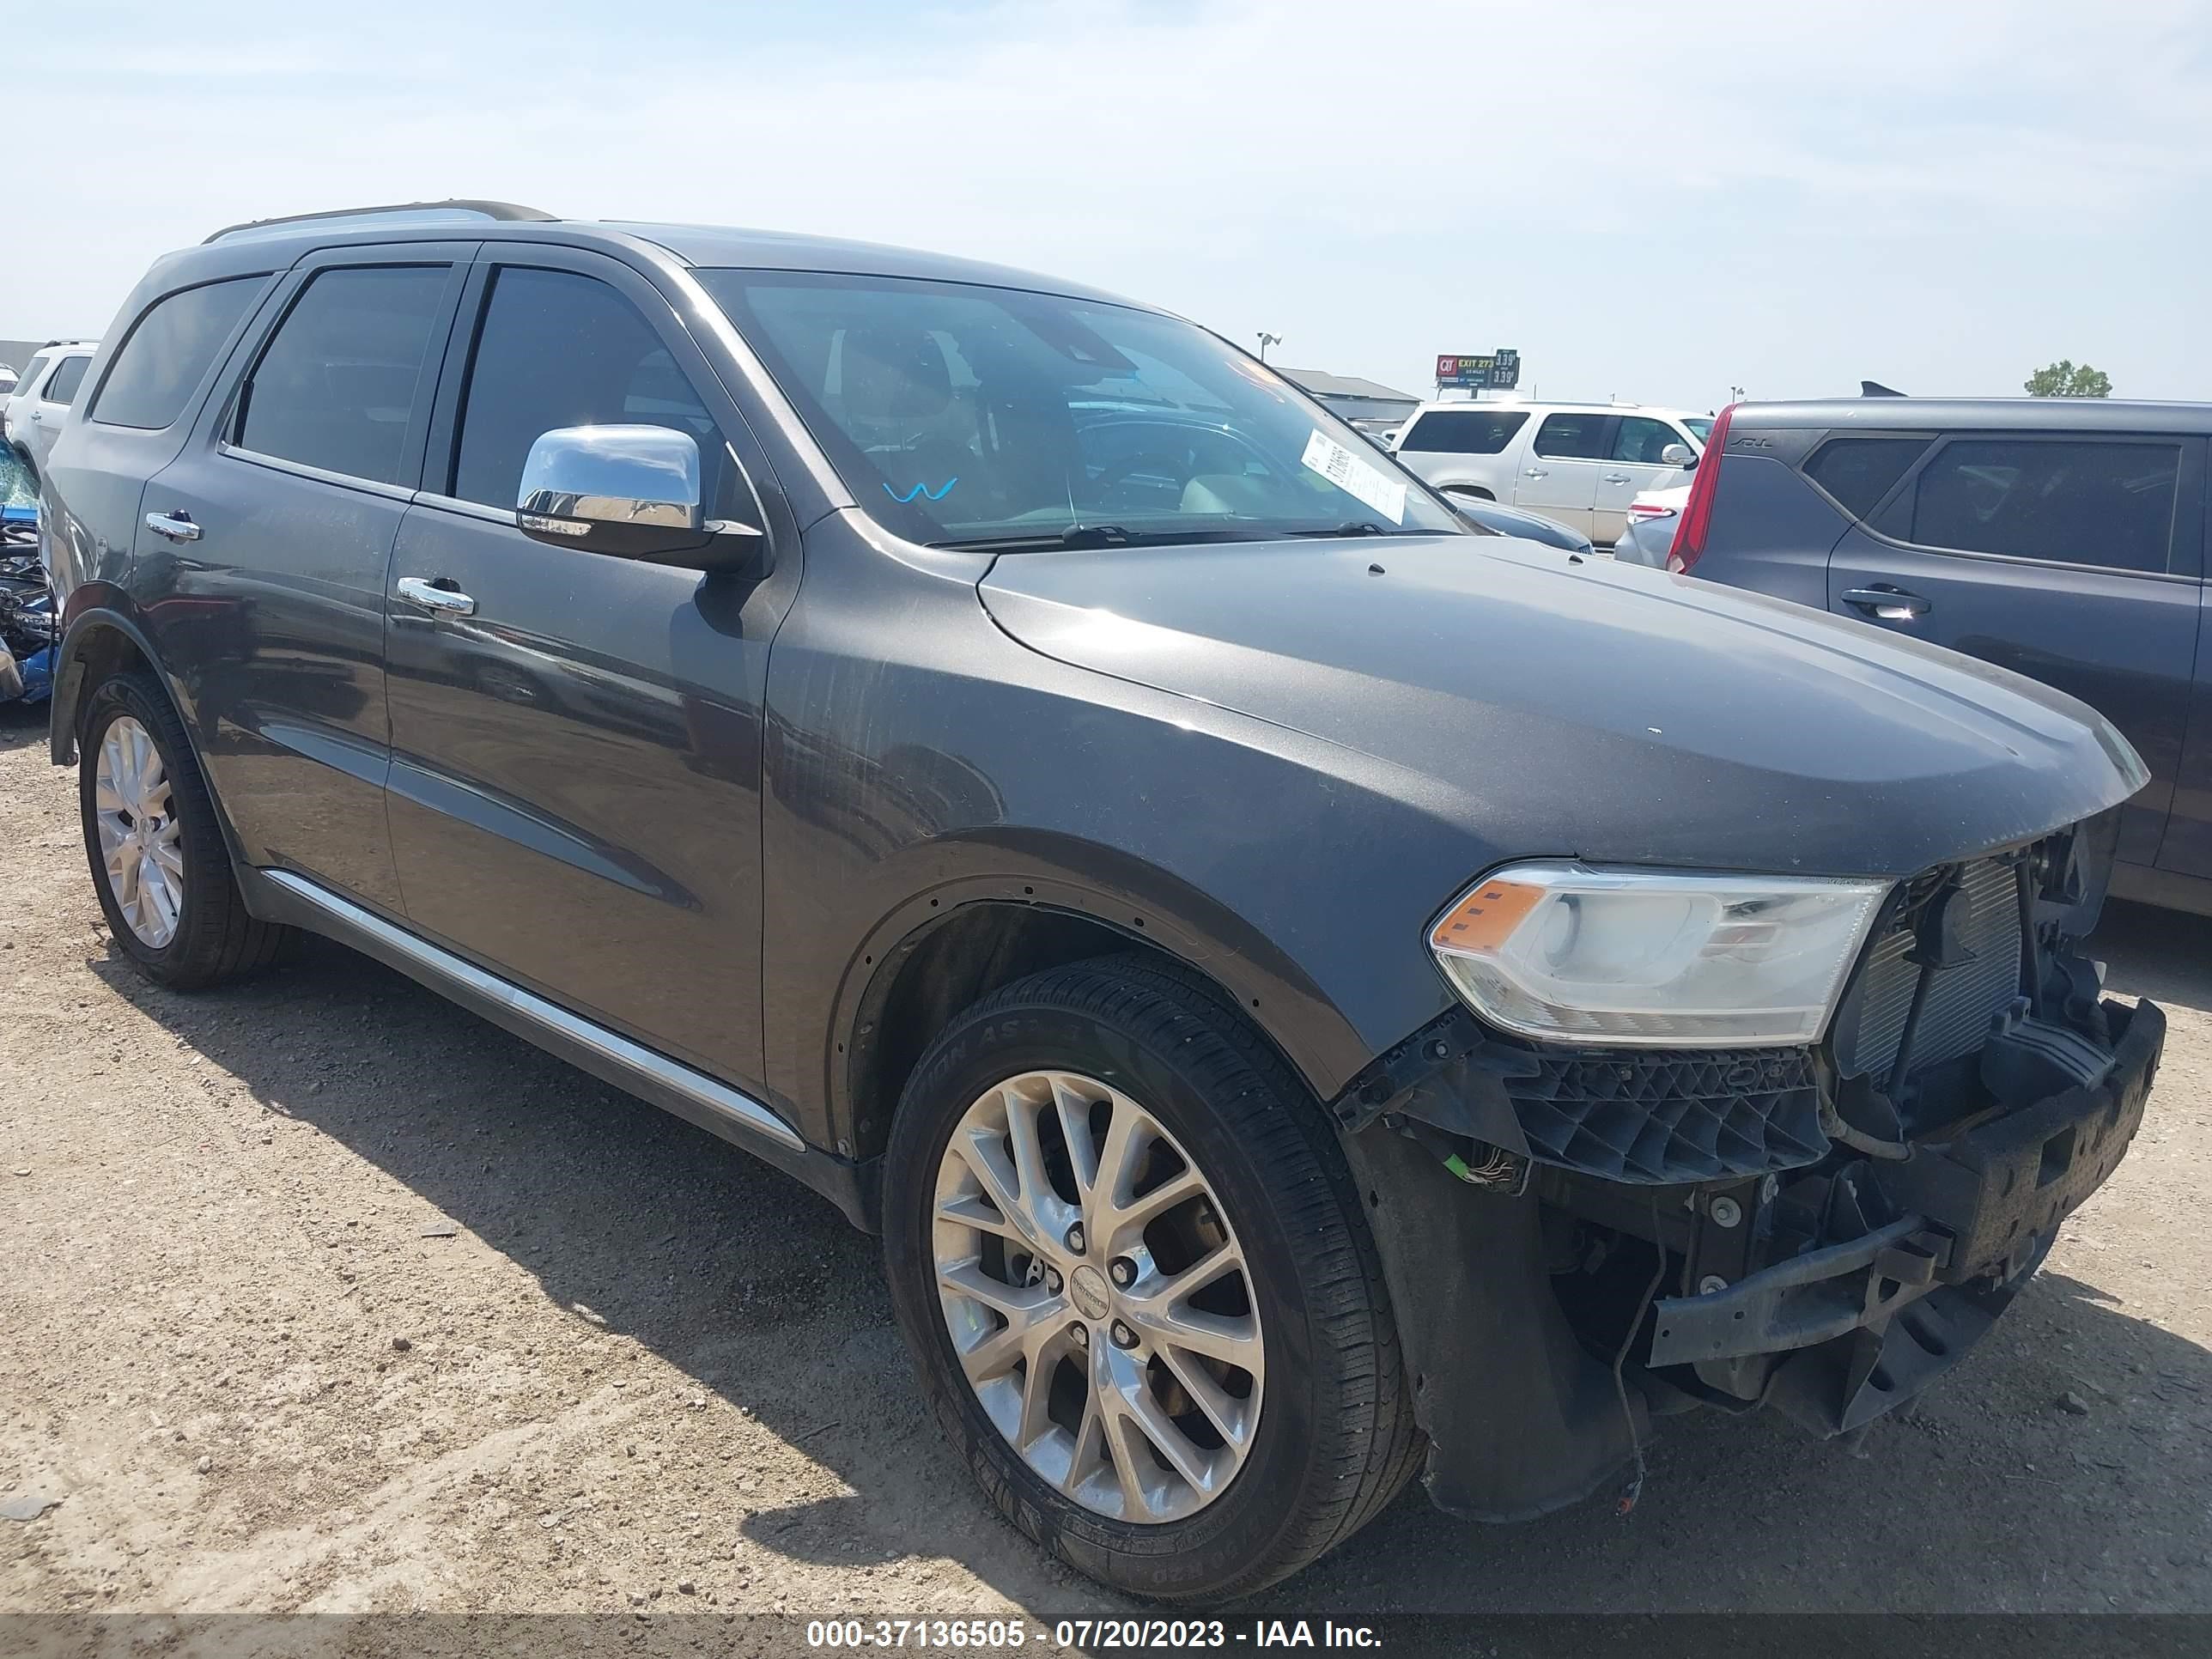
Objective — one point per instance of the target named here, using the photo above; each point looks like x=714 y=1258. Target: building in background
x=1367 y=405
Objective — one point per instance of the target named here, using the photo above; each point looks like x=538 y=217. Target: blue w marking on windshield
x=923 y=490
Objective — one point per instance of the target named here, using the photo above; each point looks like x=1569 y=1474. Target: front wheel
x=1127 y=1256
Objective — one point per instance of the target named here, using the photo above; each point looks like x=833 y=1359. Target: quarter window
x=340 y=381
x=1642 y=441
x=1572 y=437
x=62 y=389
x=1464 y=431
x=1859 y=471
x=169 y=350
x=2078 y=503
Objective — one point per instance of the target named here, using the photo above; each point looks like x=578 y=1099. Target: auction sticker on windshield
x=1371 y=484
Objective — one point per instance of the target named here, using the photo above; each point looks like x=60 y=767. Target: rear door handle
x=177 y=526
x=429 y=594
x=1536 y=472
x=1890 y=603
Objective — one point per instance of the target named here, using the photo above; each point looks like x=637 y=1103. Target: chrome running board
x=713 y=1104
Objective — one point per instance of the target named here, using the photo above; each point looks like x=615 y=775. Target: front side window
x=968 y=416
x=557 y=349
x=62 y=389
x=2077 y=502
x=339 y=383
x=1700 y=424
x=1572 y=437
x=1642 y=441
x=1465 y=431
x=169 y=350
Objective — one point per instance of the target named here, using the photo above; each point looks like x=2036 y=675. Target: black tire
x=1336 y=1438
x=215 y=939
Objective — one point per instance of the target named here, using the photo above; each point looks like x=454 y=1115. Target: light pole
x=1267 y=340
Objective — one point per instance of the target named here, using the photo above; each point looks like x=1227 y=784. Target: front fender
x=1109 y=889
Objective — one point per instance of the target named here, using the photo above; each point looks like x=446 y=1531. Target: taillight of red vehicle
x=1697 y=511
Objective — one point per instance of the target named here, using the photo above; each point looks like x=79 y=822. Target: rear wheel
x=1141 y=1294
x=159 y=862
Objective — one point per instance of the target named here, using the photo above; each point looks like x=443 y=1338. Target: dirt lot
x=321 y=1294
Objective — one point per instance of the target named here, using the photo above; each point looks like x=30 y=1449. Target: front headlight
x=1655 y=959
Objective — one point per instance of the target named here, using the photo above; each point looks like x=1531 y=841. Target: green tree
x=2064 y=378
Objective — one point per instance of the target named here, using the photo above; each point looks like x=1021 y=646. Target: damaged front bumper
x=1839 y=1333
x=1578 y=1240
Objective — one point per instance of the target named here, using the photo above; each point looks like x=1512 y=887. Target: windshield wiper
x=1094 y=535
x=1354 y=527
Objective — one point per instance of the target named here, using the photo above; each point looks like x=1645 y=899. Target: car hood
x=1571 y=707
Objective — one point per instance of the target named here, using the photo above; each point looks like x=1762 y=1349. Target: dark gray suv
x=1013 y=760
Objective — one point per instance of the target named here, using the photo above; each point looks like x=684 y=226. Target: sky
x=1653 y=202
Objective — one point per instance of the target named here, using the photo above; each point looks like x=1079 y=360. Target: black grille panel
x=1674 y=1114
x=1961 y=1000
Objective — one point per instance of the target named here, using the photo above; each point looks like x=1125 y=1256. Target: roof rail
x=457 y=208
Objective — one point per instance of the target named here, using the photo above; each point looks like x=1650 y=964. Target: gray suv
x=1012 y=760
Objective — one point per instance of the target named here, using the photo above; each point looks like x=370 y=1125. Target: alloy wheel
x=1097 y=1298
x=140 y=837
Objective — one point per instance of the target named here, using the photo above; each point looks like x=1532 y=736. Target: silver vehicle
x=41 y=398
x=1652 y=517
x=1578 y=463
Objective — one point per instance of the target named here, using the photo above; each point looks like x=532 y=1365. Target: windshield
x=17 y=486
x=965 y=416
x=1700 y=424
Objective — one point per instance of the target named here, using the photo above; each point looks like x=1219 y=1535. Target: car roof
x=278 y=243
x=1531 y=406
x=2012 y=414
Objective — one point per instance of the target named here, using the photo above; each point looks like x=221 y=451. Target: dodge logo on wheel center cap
x=1088 y=1286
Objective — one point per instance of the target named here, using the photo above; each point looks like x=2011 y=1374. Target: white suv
x=32 y=418
x=1581 y=464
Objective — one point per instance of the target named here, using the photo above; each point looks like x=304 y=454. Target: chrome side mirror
x=1678 y=455
x=630 y=491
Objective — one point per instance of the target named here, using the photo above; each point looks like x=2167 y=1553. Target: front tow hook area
x=1836 y=1335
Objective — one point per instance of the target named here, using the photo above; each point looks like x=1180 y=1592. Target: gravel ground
x=320 y=1294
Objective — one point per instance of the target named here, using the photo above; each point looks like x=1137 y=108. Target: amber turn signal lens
x=1485 y=917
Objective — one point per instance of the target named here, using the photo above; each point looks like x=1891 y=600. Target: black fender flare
x=69 y=694
x=1144 y=905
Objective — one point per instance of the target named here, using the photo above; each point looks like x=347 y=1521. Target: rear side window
x=339 y=382
x=556 y=349
x=1641 y=440
x=1572 y=437
x=1859 y=471
x=1464 y=431
x=168 y=350
x=2109 y=504
x=62 y=389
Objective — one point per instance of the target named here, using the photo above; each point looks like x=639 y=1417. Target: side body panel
x=575 y=786
x=275 y=616
x=918 y=758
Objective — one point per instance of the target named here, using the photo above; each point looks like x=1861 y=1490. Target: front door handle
x=177 y=526
x=1616 y=478
x=1890 y=603
x=438 y=595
